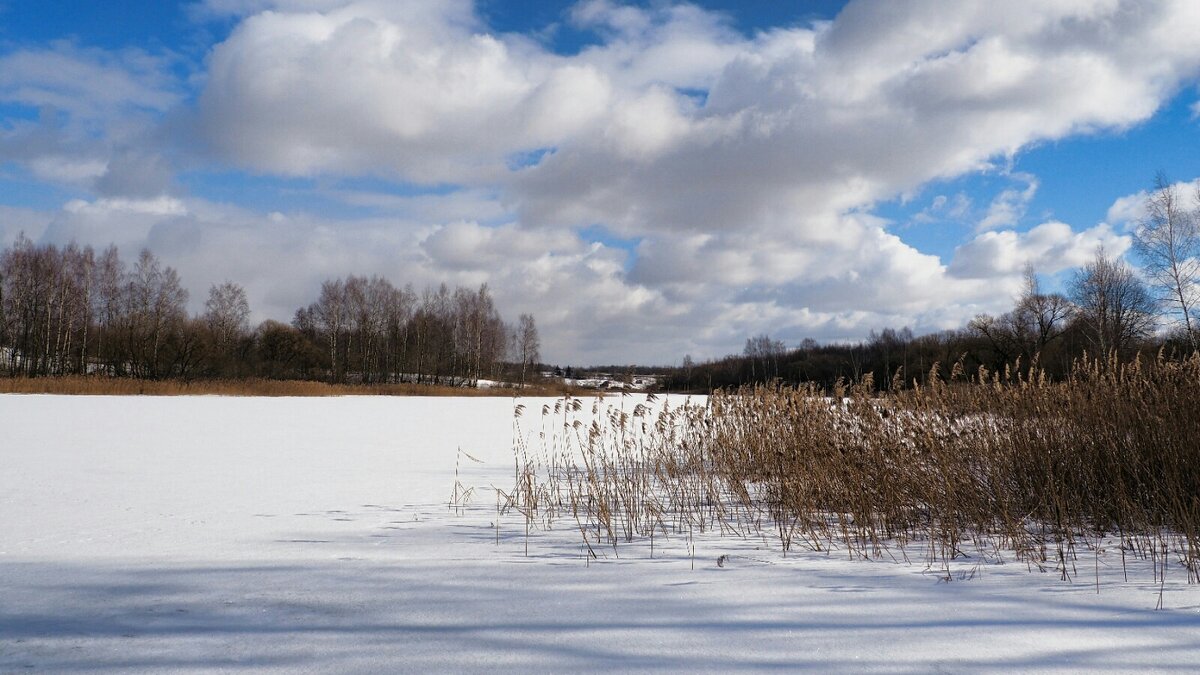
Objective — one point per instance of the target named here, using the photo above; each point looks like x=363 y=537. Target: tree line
x=1109 y=309
x=71 y=311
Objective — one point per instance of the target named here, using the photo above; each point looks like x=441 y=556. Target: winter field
x=177 y=534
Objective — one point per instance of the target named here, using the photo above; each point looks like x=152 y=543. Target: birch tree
x=1168 y=242
x=527 y=343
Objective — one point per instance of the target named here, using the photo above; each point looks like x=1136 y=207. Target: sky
x=649 y=179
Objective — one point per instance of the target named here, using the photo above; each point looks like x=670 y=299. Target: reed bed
x=125 y=386
x=1005 y=464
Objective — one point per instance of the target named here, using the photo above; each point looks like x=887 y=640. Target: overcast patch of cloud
x=17 y=221
x=97 y=114
x=88 y=84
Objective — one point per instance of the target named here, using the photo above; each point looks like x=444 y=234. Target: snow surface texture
x=313 y=534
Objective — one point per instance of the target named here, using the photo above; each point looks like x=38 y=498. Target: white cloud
x=1009 y=206
x=97 y=113
x=1050 y=247
x=67 y=169
x=88 y=84
x=471 y=246
x=941 y=207
x=810 y=118
x=367 y=88
x=674 y=45
x=430 y=96
x=157 y=206
x=750 y=202
x=1127 y=211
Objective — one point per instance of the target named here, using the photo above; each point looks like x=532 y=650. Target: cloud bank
x=672 y=187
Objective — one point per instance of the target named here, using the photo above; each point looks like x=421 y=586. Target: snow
x=193 y=534
x=609 y=382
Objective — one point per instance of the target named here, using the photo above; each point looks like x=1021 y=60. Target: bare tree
x=1168 y=242
x=1037 y=320
x=330 y=315
x=434 y=332
x=358 y=326
x=479 y=334
x=889 y=343
x=286 y=352
x=763 y=354
x=5 y=327
x=398 y=313
x=377 y=296
x=45 y=308
x=23 y=298
x=66 y=309
x=527 y=344
x=157 y=302
x=493 y=342
x=688 y=366
x=227 y=313
x=1114 y=306
x=109 y=306
x=1043 y=317
x=81 y=265
x=224 y=327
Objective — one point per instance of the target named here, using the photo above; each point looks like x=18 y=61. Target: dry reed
x=1009 y=463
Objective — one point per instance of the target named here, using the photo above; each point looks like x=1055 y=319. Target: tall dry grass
x=1013 y=464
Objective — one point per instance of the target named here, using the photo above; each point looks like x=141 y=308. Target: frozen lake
x=313 y=534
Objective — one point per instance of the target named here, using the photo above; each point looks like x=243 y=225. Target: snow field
x=201 y=534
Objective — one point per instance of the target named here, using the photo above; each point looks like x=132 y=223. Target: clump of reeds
x=1008 y=462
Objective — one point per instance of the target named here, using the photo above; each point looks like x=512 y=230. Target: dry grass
x=119 y=386
x=1001 y=464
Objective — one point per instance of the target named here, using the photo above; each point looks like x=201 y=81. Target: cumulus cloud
x=1050 y=247
x=804 y=126
x=428 y=94
x=1128 y=211
x=887 y=97
x=744 y=168
x=373 y=86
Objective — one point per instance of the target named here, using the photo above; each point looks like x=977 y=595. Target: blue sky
x=150 y=22
x=650 y=179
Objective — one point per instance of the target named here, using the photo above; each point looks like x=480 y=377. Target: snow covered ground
x=313 y=534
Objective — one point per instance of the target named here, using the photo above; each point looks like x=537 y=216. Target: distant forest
x=1109 y=312
x=70 y=311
